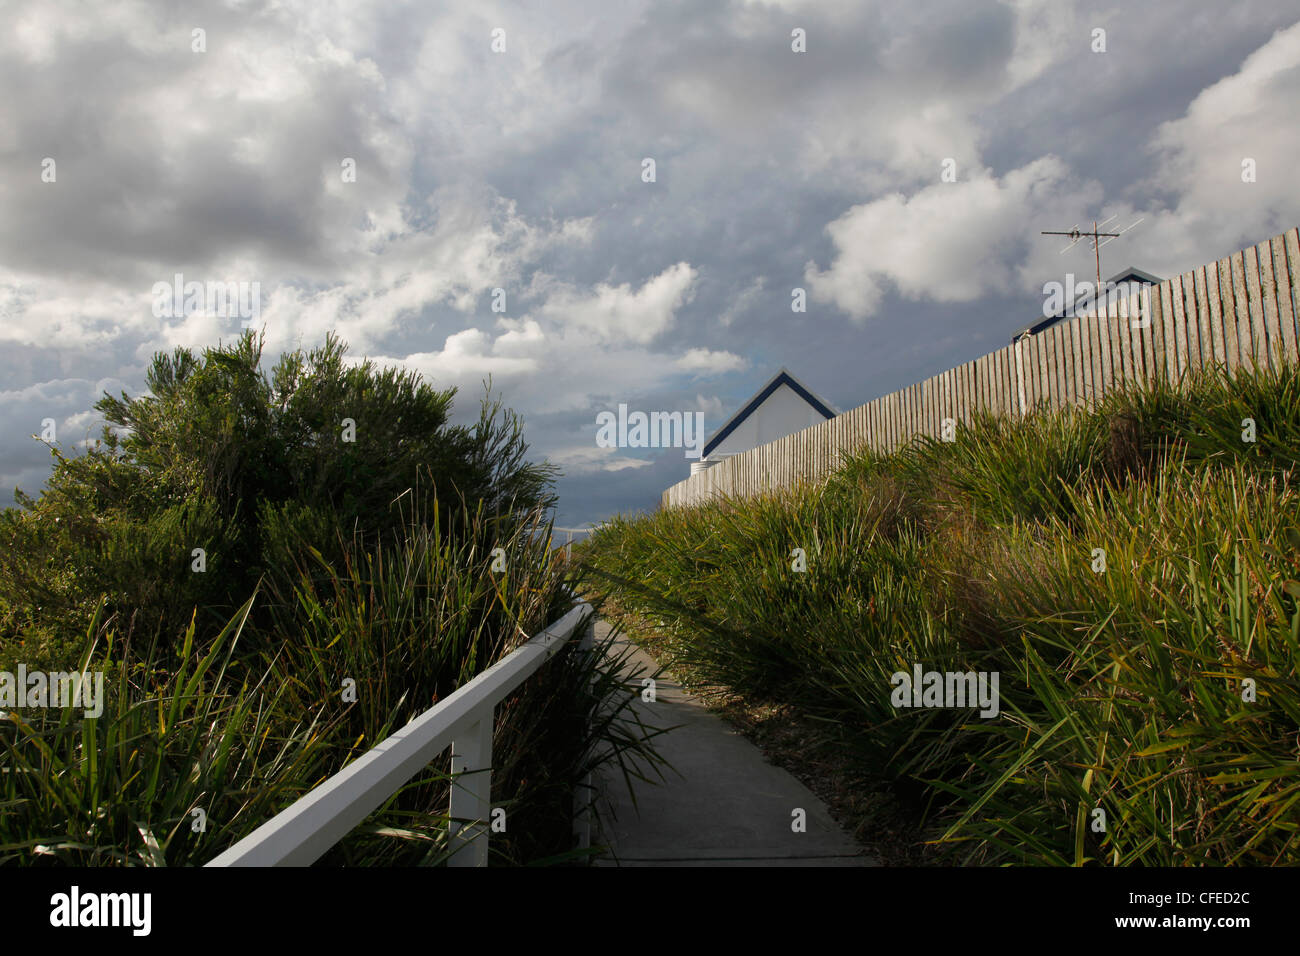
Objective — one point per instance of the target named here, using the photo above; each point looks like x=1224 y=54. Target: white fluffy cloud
x=473 y=354
x=947 y=242
x=956 y=242
x=618 y=313
x=586 y=459
x=1045 y=32
x=708 y=360
x=1199 y=160
x=477 y=242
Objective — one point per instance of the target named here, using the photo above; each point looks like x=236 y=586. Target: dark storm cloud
x=522 y=170
x=149 y=143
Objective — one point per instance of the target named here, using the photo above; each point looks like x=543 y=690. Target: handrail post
x=464 y=721
x=583 y=793
x=471 y=792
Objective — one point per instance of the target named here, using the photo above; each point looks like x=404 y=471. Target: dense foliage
x=349 y=582
x=256 y=471
x=1123 y=689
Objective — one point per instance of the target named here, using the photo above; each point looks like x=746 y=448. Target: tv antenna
x=1096 y=236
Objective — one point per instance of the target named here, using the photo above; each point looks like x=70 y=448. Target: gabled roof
x=782 y=377
x=1127 y=274
x=1132 y=272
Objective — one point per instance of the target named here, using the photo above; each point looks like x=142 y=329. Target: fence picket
x=1064 y=365
x=1291 y=241
x=1240 y=312
x=1207 y=287
x=1106 y=375
x=1150 y=356
x=1051 y=384
x=1285 y=307
x=1124 y=335
x=1255 y=307
x=1175 y=312
x=1268 y=297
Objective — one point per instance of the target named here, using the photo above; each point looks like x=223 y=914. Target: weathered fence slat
x=1255 y=307
x=1147 y=328
x=1291 y=240
x=1240 y=312
x=1285 y=307
x=1268 y=296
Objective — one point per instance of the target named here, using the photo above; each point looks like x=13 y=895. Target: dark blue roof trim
x=782 y=379
x=1127 y=275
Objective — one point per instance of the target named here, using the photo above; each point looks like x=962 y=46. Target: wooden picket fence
x=1239 y=312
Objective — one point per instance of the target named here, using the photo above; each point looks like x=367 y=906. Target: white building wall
x=782 y=413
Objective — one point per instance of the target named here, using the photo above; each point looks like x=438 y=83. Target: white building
x=781 y=407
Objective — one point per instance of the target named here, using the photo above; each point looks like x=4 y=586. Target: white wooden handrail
x=305 y=831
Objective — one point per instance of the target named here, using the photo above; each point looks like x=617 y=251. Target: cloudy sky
x=520 y=168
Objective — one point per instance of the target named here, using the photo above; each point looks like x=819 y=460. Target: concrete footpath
x=720 y=804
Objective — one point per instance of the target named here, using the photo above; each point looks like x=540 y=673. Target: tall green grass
x=240 y=735
x=1120 y=691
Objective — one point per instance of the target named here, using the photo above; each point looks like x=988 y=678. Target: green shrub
x=368 y=560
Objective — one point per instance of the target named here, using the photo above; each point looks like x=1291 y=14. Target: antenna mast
x=1096 y=236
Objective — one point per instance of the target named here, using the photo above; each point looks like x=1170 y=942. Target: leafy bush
x=326 y=560
x=256 y=471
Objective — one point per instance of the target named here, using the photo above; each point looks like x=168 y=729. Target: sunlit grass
x=1121 y=691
